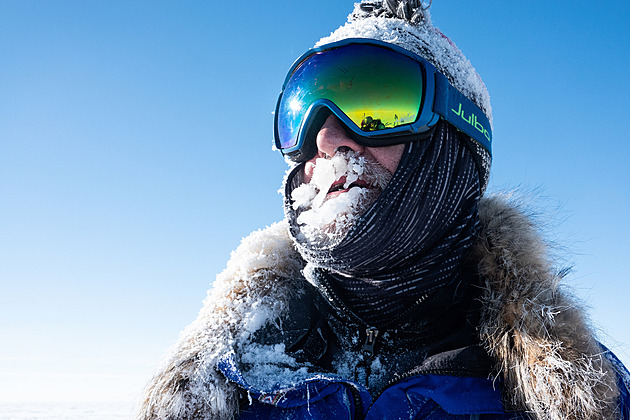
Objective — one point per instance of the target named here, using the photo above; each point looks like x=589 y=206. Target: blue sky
x=135 y=153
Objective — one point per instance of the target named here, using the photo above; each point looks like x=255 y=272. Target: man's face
x=332 y=136
x=340 y=183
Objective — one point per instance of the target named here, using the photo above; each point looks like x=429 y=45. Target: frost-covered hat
x=407 y=24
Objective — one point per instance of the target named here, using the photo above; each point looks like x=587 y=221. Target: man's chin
x=321 y=230
x=324 y=236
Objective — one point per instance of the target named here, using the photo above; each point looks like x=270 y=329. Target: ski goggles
x=382 y=93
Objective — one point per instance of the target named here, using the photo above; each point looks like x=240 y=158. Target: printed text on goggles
x=381 y=92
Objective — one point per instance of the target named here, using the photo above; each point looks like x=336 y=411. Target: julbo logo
x=472 y=120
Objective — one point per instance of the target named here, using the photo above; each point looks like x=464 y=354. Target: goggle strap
x=461 y=112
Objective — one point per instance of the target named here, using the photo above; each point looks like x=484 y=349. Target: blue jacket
x=434 y=397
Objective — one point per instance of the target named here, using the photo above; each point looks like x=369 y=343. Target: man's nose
x=333 y=137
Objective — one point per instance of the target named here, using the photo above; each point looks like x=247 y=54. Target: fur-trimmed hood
x=535 y=331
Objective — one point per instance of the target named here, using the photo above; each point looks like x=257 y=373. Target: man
x=392 y=289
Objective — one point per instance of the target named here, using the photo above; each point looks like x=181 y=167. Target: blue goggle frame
x=440 y=100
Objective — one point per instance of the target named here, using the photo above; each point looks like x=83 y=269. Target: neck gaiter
x=403 y=259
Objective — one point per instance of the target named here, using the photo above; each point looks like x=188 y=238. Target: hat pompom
x=413 y=11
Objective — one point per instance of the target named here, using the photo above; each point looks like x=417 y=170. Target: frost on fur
x=552 y=365
x=536 y=332
x=250 y=292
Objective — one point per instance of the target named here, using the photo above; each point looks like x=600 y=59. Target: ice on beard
x=318 y=209
x=333 y=209
x=326 y=172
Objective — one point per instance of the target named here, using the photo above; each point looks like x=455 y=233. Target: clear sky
x=135 y=153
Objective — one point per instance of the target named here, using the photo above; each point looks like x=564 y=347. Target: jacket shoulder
x=623 y=381
x=251 y=292
x=535 y=330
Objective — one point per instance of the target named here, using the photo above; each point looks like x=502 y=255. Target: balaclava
x=403 y=260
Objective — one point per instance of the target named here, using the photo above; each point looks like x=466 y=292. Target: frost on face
x=341 y=189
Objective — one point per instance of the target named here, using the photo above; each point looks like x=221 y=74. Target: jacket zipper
x=370 y=340
x=371 y=333
x=358 y=404
x=368 y=347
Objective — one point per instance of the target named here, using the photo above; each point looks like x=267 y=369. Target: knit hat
x=407 y=24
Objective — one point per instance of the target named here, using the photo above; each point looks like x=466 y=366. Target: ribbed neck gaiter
x=407 y=251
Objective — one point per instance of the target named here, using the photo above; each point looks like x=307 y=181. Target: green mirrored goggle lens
x=374 y=87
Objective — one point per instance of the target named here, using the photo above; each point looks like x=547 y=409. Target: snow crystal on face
x=325 y=218
x=303 y=195
x=332 y=210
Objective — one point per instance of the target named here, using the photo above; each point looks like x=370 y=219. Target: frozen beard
x=340 y=190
